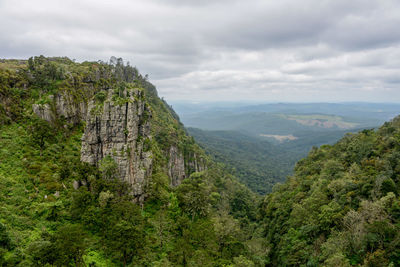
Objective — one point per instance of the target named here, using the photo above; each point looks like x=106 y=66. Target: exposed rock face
x=119 y=128
x=120 y=131
x=72 y=110
x=180 y=166
x=195 y=164
x=62 y=106
x=176 y=166
x=43 y=111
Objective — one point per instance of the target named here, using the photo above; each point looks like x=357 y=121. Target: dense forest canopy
x=341 y=206
x=257 y=163
x=59 y=211
x=260 y=144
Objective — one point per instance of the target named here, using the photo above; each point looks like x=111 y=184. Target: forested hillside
x=341 y=207
x=262 y=143
x=257 y=163
x=97 y=170
x=66 y=137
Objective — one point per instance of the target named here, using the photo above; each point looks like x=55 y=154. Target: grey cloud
x=307 y=50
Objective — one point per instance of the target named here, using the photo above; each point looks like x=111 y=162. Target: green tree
x=41 y=132
x=109 y=168
x=5 y=242
x=193 y=195
x=124 y=233
x=70 y=243
x=43 y=252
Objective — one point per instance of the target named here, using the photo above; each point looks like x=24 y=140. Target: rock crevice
x=61 y=106
x=180 y=166
x=120 y=127
x=119 y=131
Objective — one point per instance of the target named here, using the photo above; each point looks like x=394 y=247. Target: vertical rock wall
x=181 y=166
x=176 y=166
x=120 y=128
x=120 y=131
x=61 y=105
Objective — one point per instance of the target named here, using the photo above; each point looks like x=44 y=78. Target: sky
x=224 y=50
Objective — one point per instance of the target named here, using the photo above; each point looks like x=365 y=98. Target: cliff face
x=120 y=127
x=124 y=120
x=61 y=106
x=106 y=115
x=176 y=166
x=181 y=166
x=121 y=131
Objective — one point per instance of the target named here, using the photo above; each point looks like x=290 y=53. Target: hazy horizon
x=245 y=102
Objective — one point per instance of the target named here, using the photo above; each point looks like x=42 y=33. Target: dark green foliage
x=43 y=252
x=339 y=208
x=124 y=231
x=193 y=195
x=63 y=248
x=70 y=243
x=5 y=241
x=258 y=164
x=41 y=133
x=45 y=220
x=11 y=91
x=101 y=96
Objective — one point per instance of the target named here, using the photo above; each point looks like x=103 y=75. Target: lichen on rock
x=180 y=166
x=121 y=115
x=120 y=131
x=61 y=106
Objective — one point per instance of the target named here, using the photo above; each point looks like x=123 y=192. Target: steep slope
x=109 y=98
x=341 y=207
x=96 y=170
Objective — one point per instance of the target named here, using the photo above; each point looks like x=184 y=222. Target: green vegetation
x=257 y=163
x=341 y=206
x=58 y=211
x=261 y=149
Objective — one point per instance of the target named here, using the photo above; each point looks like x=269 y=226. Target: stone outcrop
x=120 y=131
x=118 y=126
x=195 y=164
x=43 y=111
x=176 y=166
x=61 y=106
x=180 y=166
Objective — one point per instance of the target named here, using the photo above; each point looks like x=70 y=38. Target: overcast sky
x=224 y=50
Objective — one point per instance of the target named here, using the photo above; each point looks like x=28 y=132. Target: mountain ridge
x=340 y=207
x=97 y=170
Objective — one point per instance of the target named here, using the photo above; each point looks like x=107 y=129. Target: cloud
x=257 y=50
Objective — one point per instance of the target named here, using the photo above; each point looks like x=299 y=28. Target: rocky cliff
x=121 y=131
x=119 y=124
x=69 y=133
x=61 y=106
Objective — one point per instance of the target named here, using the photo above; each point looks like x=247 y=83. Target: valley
x=262 y=147
x=97 y=170
x=178 y=133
